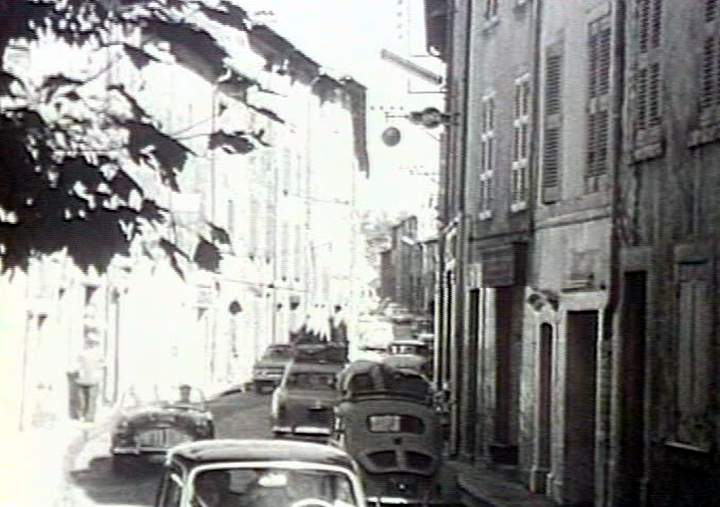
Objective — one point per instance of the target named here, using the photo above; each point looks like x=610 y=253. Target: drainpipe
x=462 y=237
x=618 y=98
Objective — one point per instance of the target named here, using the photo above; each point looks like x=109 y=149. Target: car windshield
x=407 y=349
x=140 y=395
x=278 y=353
x=272 y=487
x=311 y=380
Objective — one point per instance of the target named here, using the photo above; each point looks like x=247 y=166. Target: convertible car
x=153 y=419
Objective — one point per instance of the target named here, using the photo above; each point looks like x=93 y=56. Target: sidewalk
x=480 y=486
x=38 y=461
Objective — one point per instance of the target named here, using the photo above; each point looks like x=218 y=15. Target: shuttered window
x=648 y=27
x=298 y=252
x=254 y=217
x=521 y=141
x=599 y=58
x=487 y=156
x=286 y=171
x=491 y=9
x=284 y=250
x=694 y=372
x=552 y=124
x=709 y=93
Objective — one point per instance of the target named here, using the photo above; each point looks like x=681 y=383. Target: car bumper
x=302 y=430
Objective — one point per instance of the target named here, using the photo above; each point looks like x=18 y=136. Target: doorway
x=544 y=390
x=632 y=391
x=580 y=397
x=472 y=359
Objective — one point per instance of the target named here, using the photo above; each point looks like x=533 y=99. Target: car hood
x=144 y=416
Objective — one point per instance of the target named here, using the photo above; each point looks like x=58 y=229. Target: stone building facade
x=288 y=258
x=578 y=274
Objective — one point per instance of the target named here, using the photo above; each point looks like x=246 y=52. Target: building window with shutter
x=491 y=9
x=598 y=117
x=284 y=251
x=298 y=252
x=254 y=217
x=552 y=124
x=521 y=143
x=694 y=350
x=647 y=78
x=709 y=93
x=487 y=156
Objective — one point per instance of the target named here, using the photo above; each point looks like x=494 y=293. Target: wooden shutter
x=551 y=177
x=254 y=226
x=654 y=104
x=694 y=342
x=711 y=10
x=708 y=80
x=599 y=50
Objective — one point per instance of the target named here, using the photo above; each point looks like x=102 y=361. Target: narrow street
x=242 y=415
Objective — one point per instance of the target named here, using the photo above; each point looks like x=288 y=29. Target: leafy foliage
x=73 y=148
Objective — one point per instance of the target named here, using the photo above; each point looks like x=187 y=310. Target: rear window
x=395 y=423
x=311 y=380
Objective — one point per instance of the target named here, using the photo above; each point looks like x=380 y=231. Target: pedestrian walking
x=90 y=370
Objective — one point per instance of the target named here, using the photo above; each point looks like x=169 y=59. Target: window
x=487 y=156
x=298 y=252
x=491 y=10
x=694 y=371
x=287 y=171
x=552 y=124
x=395 y=423
x=254 y=227
x=709 y=94
x=284 y=250
x=521 y=141
x=231 y=218
x=599 y=56
x=648 y=106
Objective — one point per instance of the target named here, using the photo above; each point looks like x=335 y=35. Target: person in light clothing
x=90 y=370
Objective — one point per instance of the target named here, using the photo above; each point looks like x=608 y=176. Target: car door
x=170 y=489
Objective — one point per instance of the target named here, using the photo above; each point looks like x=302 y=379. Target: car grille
x=162 y=437
x=418 y=460
x=320 y=416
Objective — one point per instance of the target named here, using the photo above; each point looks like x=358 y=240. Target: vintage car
x=271 y=473
x=386 y=420
x=268 y=370
x=303 y=404
x=151 y=420
x=410 y=355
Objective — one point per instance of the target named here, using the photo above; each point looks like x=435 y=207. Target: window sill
x=704 y=135
x=491 y=23
x=516 y=207
x=648 y=151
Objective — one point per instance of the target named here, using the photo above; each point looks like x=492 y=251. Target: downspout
x=611 y=316
x=463 y=250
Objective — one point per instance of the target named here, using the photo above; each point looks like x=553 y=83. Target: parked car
x=386 y=420
x=303 y=403
x=268 y=370
x=272 y=473
x=155 y=418
x=410 y=355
